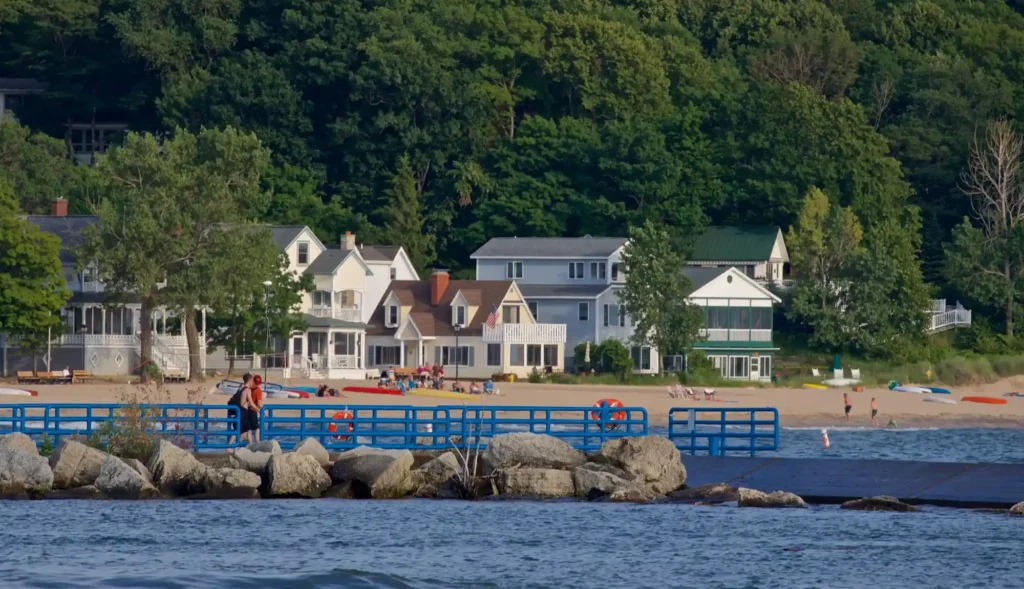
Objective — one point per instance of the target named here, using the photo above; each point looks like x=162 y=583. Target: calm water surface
x=421 y=544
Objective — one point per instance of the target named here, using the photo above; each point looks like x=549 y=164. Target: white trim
x=518 y=257
x=305 y=229
x=298 y=253
x=522 y=270
x=408 y=263
x=581 y=275
x=589 y=316
x=387 y=315
x=406 y=323
x=733 y=271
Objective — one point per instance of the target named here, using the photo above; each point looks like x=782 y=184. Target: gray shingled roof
x=700 y=276
x=549 y=247
x=583 y=291
x=284 y=235
x=328 y=261
x=379 y=253
x=68 y=229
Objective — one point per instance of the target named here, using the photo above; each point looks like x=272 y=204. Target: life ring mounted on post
x=344 y=418
x=599 y=412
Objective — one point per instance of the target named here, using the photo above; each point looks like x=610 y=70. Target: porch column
x=204 y=326
x=330 y=348
x=103 y=322
x=401 y=352
x=360 y=352
x=419 y=352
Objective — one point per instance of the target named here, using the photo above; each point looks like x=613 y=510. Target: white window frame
x=764 y=366
x=732 y=372
x=457 y=320
x=513 y=270
x=320 y=294
x=299 y=253
x=617 y=272
x=538 y=350
x=721 y=363
x=512 y=349
x=389 y=311
x=449 y=354
x=577 y=271
x=598 y=270
x=638 y=364
x=491 y=347
x=394 y=273
x=583 y=311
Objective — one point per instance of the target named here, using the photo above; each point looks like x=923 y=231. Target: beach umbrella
x=586 y=355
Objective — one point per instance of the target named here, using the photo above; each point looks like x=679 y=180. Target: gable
x=733 y=284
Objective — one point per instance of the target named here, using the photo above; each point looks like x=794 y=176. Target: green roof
x=735 y=244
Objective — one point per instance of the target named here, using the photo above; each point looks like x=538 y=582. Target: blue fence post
x=714 y=446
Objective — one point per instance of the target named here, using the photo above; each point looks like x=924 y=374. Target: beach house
x=476 y=328
x=758 y=252
x=575 y=281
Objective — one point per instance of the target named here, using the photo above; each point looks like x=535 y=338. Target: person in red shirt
x=255 y=404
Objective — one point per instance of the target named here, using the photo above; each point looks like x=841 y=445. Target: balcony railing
x=343 y=313
x=519 y=333
x=736 y=335
x=88 y=339
x=349 y=361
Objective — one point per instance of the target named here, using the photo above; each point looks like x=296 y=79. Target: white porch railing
x=349 y=361
x=937 y=306
x=98 y=340
x=780 y=283
x=343 y=313
x=736 y=335
x=92 y=286
x=950 y=319
x=519 y=333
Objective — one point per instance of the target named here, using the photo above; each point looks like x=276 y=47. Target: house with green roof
x=759 y=252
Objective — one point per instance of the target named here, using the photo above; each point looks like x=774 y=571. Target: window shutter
x=437 y=355
x=472 y=352
x=370 y=355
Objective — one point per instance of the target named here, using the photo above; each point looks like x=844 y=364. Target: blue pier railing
x=715 y=431
x=202 y=427
x=721 y=431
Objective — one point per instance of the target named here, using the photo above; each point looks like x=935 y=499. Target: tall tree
x=32 y=290
x=404 y=214
x=656 y=291
x=987 y=260
x=35 y=165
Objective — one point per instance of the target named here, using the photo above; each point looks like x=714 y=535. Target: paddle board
x=904 y=389
x=441 y=394
x=939 y=390
x=932 y=399
x=18 y=393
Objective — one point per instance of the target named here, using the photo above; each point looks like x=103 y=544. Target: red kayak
x=375 y=390
x=989 y=400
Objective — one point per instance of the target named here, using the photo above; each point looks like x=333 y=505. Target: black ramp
x=830 y=480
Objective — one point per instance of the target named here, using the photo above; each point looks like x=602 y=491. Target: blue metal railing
x=380 y=426
x=204 y=427
x=720 y=431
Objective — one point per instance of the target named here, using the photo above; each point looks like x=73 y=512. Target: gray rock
x=23 y=473
x=246 y=459
x=176 y=471
x=435 y=478
x=633 y=493
x=86 y=492
x=754 y=498
x=607 y=468
x=313 y=448
x=339 y=491
x=710 y=493
x=1017 y=509
x=295 y=475
x=232 y=483
x=878 y=503
x=139 y=468
x=118 y=480
x=599 y=484
x=19 y=441
x=272 y=447
x=380 y=474
x=650 y=460
x=75 y=465
x=526 y=450
x=536 y=482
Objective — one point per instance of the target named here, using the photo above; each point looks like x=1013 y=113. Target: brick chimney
x=438 y=284
x=348 y=241
x=59 y=208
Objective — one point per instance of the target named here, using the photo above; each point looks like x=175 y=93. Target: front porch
x=328 y=354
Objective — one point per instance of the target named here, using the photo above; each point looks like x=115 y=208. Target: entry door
x=755 y=374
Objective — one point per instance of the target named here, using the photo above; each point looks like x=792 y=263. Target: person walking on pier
x=848 y=404
x=874 y=412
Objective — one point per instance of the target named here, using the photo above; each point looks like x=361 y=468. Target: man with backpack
x=235 y=402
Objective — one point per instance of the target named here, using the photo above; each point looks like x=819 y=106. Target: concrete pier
x=834 y=481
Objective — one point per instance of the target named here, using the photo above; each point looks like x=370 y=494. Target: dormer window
x=392 y=316
x=303 y=253
x=460 y=316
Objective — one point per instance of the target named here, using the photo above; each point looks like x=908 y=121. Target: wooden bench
x=58 y=378
x=81 y=376
x=27 y=376
x=405 y=372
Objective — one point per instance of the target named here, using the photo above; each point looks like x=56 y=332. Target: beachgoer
x=435 y=371
x=383 y=380
x=322 y=391
x=474 y=388
x=489 y=387
x=235 y=403
x=848 y=404
x=67 y=373
x=874 y=412
x=255 y=405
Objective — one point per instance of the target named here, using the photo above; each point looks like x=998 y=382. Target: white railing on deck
x=99 y=340
x=736 y=335
x=349 y=361
x=950 y=319
x=937 y=306
x=343 y=313
x=519 y=333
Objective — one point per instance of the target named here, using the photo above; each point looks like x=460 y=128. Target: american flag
x=492 y=319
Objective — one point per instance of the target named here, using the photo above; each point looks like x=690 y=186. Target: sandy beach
x=797 y=407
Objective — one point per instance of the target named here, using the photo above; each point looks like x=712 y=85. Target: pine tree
x=404 y=223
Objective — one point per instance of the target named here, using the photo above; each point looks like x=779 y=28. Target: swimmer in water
x=892 y=423
x=874 y=412
x=848 y=404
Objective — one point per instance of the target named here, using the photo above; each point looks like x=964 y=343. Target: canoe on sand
x=989 y=400
x=18 y=393
x=372 y=390
x=934 y=399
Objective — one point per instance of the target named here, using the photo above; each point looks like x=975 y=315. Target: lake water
x=436 y=544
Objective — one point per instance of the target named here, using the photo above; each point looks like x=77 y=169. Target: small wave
x=863 y=429
x=347 y=578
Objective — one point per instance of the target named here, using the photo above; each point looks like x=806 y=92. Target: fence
x=204 y=427
x=720 y=431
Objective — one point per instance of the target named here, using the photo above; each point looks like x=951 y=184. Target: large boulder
x=1017 y=509
x=246 y=459
x=271 y=447
x=526 y=450
x=710 y=493
x=311 y=447
x=594 y=481
x=176 y=471
x=23 y=473
x=754 y=498
x=650 y=460
x=140 y=468
x=75 y=465
x=380 y=474
x=19 y=441
x=295 y=475
x=232 y=483
x=536 y=482
x=878 y=503
x=118 y=480
x=437 y=477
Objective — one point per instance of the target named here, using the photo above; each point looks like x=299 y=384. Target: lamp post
x=266 y=310
x=457 y=328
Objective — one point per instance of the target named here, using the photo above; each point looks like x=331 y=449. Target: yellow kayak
x=815 y=386
x=441 y=394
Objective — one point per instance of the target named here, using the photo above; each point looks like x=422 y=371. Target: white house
x=759 y=252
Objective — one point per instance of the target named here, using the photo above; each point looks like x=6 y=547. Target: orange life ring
x=344 y=417
x=612 y=403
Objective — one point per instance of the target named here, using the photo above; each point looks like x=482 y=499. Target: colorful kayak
x=988 y=400
x=933 y=399
x=906 y=389
x=814 y=386
x=441 y=394
x=18 y=393
x=939 y=391
x=373 y=390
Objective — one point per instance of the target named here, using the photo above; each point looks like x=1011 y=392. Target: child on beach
x=874 y=412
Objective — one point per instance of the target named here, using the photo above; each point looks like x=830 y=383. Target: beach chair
x=814 y=372
x=837 y=374
x=709 y=394
x=673 y=393
x=855 y=373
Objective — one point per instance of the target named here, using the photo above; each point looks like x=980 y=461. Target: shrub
x=579 y=355
x=615 y=358
x=535 y=376
x=959 y=370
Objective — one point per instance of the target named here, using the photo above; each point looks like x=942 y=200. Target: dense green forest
x=443 y=123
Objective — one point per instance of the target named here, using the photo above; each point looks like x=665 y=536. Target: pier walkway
x=822 y=480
